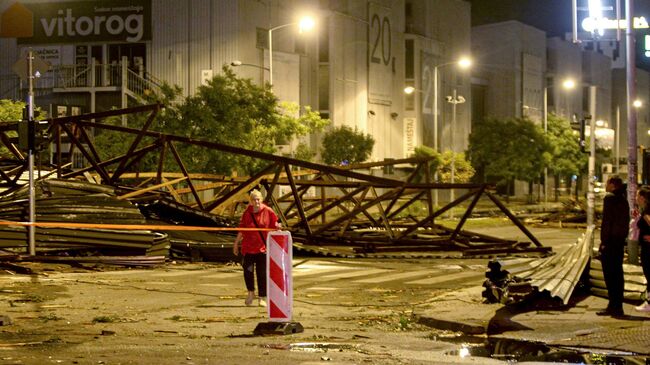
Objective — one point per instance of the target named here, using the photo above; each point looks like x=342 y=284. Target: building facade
x=352 y=67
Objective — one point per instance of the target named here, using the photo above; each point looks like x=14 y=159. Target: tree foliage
x=508 y=149
x=434 y=162
x=463 y=170
x=344 y=145
x=231 y=111
x=440 y=163
x=12 y=111
x=566 y=157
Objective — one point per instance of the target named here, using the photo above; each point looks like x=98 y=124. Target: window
x=262 y=39
x=324 y=42
x=409 y=67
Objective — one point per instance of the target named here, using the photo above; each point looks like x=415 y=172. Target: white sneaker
x=249 y=299
x=645 y=307
x=262 y=302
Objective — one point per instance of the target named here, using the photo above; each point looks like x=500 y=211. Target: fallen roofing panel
x=558 y=274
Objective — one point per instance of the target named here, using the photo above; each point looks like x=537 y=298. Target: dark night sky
x=552 y=16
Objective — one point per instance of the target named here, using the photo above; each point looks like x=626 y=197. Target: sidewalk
x=575 y=325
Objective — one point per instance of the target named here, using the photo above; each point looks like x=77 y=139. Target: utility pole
x=31 y=230
x=631 y=118
x=592 y=158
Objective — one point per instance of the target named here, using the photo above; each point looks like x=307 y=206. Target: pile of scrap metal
x=329 y=209
x=513 y=280
x=73 y=202
x=634 y=286
x=572 y=214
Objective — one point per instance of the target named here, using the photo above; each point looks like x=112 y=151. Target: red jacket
x=265 y=218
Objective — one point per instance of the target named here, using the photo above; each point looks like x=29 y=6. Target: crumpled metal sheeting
x=558 y=275
x=51 y=187
x=635 y=282
x=110 y=260
x=72 y=201
x=143 y=240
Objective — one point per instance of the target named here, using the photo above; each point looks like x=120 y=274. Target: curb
x=441 y=324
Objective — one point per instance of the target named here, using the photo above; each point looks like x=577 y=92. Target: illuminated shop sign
x=79 y=21
x=604 y=20
x=601 y=24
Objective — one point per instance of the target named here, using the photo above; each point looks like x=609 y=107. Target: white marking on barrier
x=278 y=273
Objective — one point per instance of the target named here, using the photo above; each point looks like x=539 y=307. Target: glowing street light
x=305 y=24
x=567 y=84
x=463 y=63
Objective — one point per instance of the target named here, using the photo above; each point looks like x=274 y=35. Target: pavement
x=408 y=311
x=575 y=325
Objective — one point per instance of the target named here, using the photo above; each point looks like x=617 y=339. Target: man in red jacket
x=253 y=245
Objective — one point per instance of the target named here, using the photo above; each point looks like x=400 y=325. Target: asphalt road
x=353 y=311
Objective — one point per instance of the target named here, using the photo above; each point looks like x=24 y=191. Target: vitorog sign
x=78 y=21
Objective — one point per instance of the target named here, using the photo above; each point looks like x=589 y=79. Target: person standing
x=643 y=201
x=613 y=233
x=253 y=245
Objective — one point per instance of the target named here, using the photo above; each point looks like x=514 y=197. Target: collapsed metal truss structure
x=323 y=206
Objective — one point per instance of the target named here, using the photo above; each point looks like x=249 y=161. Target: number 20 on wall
x=381 y=40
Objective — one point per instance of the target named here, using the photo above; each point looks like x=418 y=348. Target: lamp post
x=566 y=84
x=591 y=198
x=454 y=99
x=636 y=104
x=237 y=63
x=305 y=24
x=463 y=63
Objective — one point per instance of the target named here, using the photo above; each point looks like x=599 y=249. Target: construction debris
x=327 y=208
x=516 y=279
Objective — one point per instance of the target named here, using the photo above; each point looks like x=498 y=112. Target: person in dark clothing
x=613 y=233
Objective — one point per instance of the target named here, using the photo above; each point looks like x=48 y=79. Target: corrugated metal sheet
x=558 y=275
x=635 y=282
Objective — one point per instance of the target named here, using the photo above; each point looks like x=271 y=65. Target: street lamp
x=567 y=84
x=454 y=99
x=237 y=63
x=463 y=63
x=304 y=25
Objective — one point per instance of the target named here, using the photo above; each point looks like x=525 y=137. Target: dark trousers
x=255 y=262
x=612 y=261
x=645 y=263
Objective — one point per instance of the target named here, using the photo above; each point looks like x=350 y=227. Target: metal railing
x=95 y=75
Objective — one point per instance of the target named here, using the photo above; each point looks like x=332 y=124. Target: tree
x=440 y=163
x=344 y=145
x=232 y=111
x=566 y=157
x=10 y=112
x=463 y=170
x=434 y=162
x=508 y=149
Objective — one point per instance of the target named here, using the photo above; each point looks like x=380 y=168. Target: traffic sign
x=21 y=67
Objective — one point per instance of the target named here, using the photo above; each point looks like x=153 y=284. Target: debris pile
x=73 y=202
x=513 y=280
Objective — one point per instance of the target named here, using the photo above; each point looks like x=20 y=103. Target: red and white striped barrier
x=279 y=281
